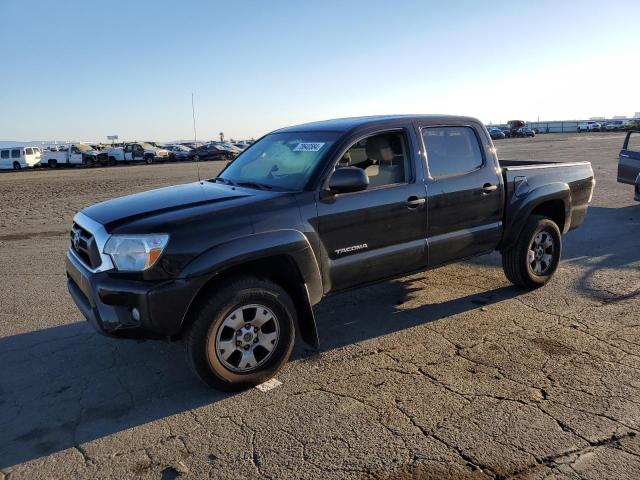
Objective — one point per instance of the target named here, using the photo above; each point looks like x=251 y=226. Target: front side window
x=281 y=160
x=4 y=154
x=634 y=142
x=451 y=150
x=28 y=151
x=383 y=158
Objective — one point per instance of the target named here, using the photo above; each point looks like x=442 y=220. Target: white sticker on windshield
x=308 y=147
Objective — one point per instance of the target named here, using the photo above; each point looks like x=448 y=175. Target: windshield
x=281 y=160
x=147 y=146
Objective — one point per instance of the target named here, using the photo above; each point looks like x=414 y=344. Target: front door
x=379 y=232
x=629 y=162
x=75 y=156
x=137 y=152
x=464 y=193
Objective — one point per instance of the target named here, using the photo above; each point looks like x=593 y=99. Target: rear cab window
x=451 y=150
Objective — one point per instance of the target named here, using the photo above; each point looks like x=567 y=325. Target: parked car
x=629 y=162
x=614 y=125
x=192 y=145
x=633 y=124
x=229 y=147
x=211 y=151
x=589 y=127
x=178 y=152
x=234 y=264
x=74 y=154
x=17 y=158
x=136 y=152
x=525 y=132
x=496 y=134
x=506 y=131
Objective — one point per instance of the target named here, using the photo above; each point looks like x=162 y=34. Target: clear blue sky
x=83 y=69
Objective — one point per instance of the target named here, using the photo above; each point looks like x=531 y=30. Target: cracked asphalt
x=451 y=373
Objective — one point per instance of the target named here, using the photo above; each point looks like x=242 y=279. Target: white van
x=17 y=158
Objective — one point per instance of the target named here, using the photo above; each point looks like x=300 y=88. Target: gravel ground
x=452 y=373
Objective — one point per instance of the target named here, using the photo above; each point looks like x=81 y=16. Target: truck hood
x=122 y=210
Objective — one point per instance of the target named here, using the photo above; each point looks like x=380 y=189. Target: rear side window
x=4 y=154
x=451 y=150
x=15 y=153
x=634 y=142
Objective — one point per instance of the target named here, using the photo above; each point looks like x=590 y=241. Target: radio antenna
x=195 y=136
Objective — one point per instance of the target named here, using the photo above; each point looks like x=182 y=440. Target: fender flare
x=291 y=243
x=521 y=207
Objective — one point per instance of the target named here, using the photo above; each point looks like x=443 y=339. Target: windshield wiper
x=226 y=181
x=256 y=185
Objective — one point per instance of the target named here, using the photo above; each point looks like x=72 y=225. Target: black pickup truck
x=233 y=265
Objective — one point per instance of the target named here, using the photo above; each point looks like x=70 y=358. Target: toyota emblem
x=76 y=239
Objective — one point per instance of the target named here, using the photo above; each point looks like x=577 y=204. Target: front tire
x=148 y=159
x=533 y=260
x=242 y=335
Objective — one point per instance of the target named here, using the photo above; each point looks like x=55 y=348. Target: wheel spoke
x=537 y=239
x=547 y=259
x=262 y=317
x=268 y=340
x=235 y=320
x=226 y=348
x=537 y=267
x=248 y=360
x=531 y=256
x=548 y=242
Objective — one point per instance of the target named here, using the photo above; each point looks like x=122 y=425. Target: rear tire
x=52 y=163
x=230 y=321
x=17 y=166
x=533 y=260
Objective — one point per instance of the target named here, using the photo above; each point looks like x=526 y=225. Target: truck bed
x=524 y=178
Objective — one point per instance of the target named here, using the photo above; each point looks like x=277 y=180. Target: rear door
x=465 y=197
x=379 y=232
x=629 y=159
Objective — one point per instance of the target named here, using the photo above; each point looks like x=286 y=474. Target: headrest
x=378 y=148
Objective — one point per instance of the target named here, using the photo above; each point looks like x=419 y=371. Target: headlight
x=134 y=253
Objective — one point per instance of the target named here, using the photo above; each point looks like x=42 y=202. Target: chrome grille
x=84 y=245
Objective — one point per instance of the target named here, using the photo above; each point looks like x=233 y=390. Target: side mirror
x=348 y=179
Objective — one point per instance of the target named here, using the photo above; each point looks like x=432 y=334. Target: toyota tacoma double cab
x=233 y=265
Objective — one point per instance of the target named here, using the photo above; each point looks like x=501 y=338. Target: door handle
x=488 y=188
x=415 y=202
x=624 y=155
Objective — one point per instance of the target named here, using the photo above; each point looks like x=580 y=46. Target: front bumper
x=108 y=302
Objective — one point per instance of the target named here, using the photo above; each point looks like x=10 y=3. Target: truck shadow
x=390 y=307
x=608 y=239
x=64 y=386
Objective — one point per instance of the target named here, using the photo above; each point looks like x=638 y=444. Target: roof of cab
x=351 y=123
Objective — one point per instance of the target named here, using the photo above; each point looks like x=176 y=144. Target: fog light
x=135 y=314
